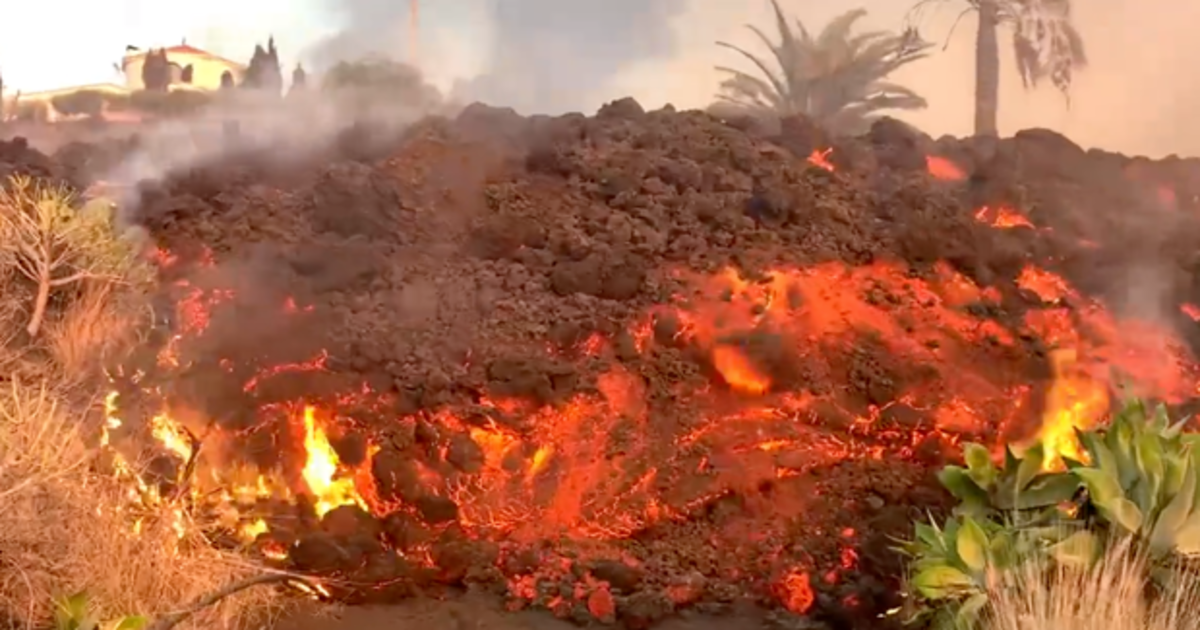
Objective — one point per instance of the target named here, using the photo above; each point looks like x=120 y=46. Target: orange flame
x=1076 y=401
x=321 y=469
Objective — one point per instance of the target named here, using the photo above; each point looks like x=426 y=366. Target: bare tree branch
x=170 y=620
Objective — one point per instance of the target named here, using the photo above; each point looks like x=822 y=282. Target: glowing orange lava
x=943 y=169
x=820 y=159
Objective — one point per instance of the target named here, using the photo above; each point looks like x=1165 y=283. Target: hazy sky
x=1141 y=93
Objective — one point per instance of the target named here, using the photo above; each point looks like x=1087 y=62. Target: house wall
x=206 y=70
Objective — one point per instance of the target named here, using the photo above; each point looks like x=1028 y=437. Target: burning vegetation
x=619 y=366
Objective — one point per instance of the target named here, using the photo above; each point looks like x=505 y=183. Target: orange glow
x=1001 y=217
x=943 y=169
x=322 y=468
x=820 y=159
x=743 y=385
x=795 y=592
x=738 y=371
x=1191 y=310
x=1076 y=401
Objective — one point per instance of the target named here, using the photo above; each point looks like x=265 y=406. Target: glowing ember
x=820 y=159
x=1191 y=310
x=795 y=592
x=943 y=169
x=1001 y=217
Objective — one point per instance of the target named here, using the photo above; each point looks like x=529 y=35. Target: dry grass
x=99 y=323
x=1109 y=596
x=65 y=528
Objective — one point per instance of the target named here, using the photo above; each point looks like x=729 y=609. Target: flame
x=1075 y=402
x=321 y=468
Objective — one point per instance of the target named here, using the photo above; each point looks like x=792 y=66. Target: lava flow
x=804 y=372
x=658 y=363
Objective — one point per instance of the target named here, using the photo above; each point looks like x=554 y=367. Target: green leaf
x=1150 y=462
x=1126 y=514
x=940 y=582
x=1160 y=421
x=1031 y=464
x=1077 y=550
x=1072 y=464
x=133 y=622
x=1103 y=489
x=1142 y=495
x=956 y=480
x=979 y=464
x=968 y=612
x=71 y=613
x=1047 y=490
x=930 y=537
x=1175 y=430
x=1175 y=466
x=1000 y=549
x=1010 y=459
x=1175 y=514
x=1187 y=537
x=1101 y=456
x=972 y=545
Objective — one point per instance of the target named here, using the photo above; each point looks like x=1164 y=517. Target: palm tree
x=1045 y=43
x=837 y=78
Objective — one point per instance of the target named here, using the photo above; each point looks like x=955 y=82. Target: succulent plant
x=954 y=564
x=1141 y=478
x=1021 y=485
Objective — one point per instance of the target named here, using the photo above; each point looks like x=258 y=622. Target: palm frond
x=837 y=78
x=1045 y=42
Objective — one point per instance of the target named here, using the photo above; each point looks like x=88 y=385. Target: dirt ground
x=481 y=612
x=529 y=345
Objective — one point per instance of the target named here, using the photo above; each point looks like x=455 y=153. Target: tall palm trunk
x=987 y=70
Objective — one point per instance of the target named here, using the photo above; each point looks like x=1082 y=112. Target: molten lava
x=777 y=377
x=943 y=169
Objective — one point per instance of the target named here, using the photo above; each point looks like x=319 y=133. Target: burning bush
x=66 y=528
x=78 y=519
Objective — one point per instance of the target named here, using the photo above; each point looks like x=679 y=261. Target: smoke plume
x=543 y=56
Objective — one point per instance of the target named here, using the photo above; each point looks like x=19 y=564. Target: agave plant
x=1007 y=517
x=1022 y=486
x=838 y=78
x=1140 y=481
x=1141 y=478
x=953 y=565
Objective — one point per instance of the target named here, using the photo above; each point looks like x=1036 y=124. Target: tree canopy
x=838 y=77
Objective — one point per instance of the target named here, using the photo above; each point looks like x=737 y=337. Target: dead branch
x=170 y=620
x=54 y=244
